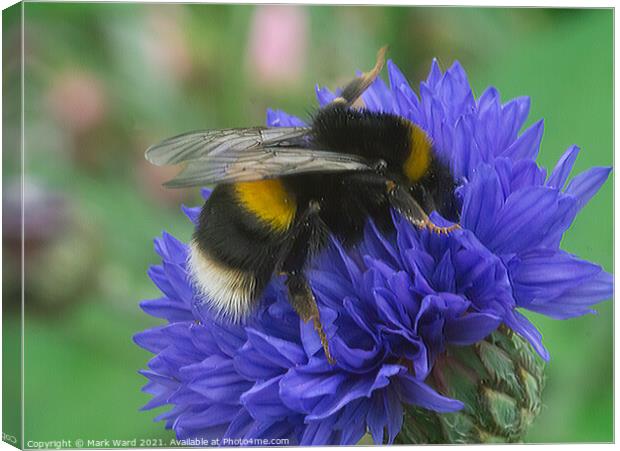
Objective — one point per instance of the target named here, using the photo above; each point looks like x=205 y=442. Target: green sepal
x=500 y=381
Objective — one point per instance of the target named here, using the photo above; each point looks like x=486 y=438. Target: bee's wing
x=264 y=163
x=196 y=145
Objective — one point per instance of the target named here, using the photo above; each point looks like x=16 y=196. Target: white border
x=539 y=4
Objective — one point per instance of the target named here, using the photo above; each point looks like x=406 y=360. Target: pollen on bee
x=417 y=163
x=269 y=201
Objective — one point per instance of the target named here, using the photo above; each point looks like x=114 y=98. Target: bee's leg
x=307 y=236
x=405 y=204
x=356 y=88
x=303 y=301
x=399 y=198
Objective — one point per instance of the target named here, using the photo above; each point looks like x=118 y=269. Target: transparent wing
x=196 y=145
x=264 y=163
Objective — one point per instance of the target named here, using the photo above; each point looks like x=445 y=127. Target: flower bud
x=500 y=381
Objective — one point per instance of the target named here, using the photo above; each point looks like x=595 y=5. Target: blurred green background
x=103 y=81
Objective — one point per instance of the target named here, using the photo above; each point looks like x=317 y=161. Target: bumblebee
x=280 y=192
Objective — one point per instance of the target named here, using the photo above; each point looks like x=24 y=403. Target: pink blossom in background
x=166 y=46
x=77 y=99
x=278 y=42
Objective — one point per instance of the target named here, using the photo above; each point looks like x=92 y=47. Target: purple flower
x=391 y=304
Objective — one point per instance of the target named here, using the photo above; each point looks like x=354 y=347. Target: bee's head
x=435 y=191
x=429 y=180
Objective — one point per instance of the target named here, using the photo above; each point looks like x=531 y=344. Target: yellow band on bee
x=269 y=201
x=419 y=158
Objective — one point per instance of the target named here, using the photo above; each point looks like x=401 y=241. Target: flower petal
x=221 y=384
x=352 y=389
x=471 y=328
x=279 y=352
x=544 y=274
x=324 y=95
x=576 y=301
x=528 y=144
x=193 y=213
x=585 y=185
x=263 y=401
x=278 y=118
x=521 y=325
x=418 y=393
x=524 y=220
x=562 y=169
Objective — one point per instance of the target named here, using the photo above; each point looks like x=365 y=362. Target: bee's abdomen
x=237 y=243
x=269 y=201
x=229 y=291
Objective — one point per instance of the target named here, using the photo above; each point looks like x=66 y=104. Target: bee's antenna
x=356 y=88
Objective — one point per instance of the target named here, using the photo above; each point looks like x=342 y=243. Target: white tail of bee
x=229 y=292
